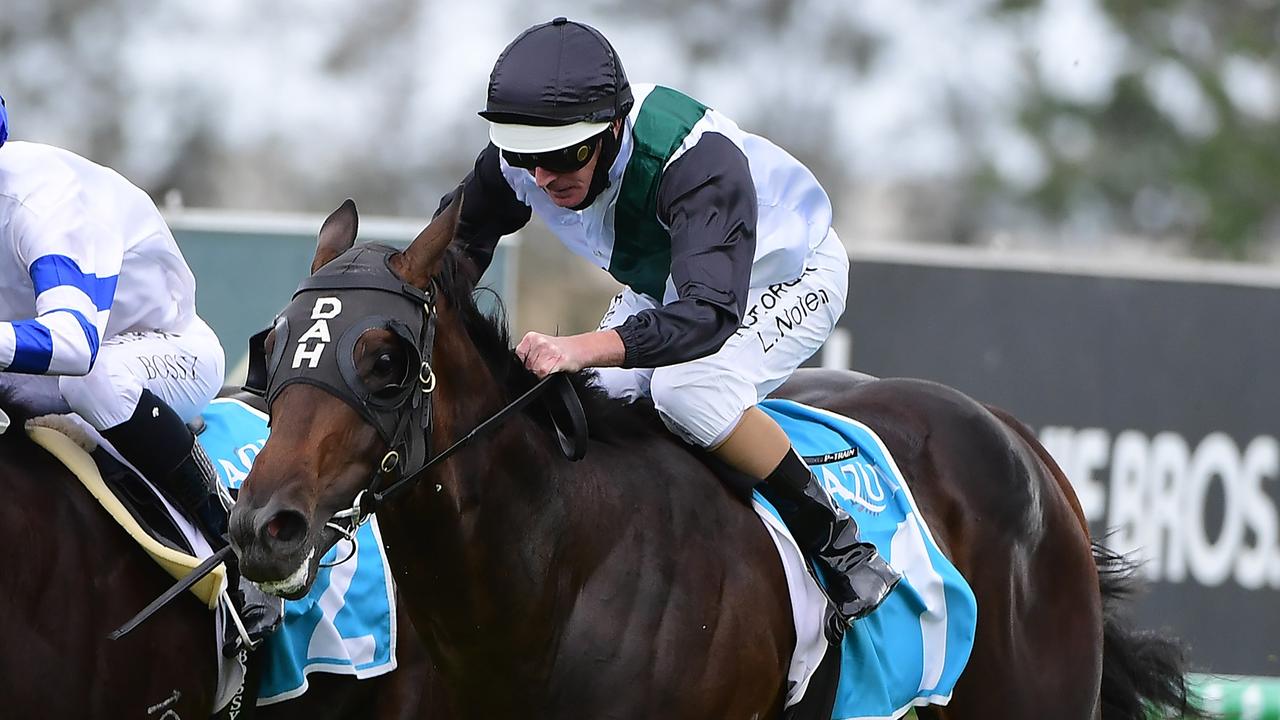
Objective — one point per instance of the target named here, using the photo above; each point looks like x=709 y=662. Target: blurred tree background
x=1095 y=127
x=1182 y=145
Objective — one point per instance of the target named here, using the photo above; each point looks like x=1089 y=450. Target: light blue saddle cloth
x=346 y=624
x=912 y=649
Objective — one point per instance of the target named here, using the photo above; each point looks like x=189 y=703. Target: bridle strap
x=405 y=434
x=368 y=504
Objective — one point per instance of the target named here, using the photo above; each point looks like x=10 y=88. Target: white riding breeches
x=184 y=369
x=784 y=324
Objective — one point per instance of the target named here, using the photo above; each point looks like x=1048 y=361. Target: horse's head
x=346 y=372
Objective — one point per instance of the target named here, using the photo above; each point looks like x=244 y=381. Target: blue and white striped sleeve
x=74 y=268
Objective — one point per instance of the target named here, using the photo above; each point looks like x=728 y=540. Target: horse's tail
x=1141 y=671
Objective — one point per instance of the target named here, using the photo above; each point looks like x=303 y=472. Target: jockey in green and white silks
x=798 y=269
x=733 y=274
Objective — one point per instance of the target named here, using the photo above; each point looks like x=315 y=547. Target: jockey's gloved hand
x=261 y=614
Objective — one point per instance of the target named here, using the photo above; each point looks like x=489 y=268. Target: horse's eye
x=384 y=364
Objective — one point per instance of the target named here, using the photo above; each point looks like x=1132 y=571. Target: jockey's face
x=567 y=189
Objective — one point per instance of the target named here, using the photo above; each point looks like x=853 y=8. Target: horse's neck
x=474 y=542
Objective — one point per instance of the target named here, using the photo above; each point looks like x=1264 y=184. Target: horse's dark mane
x=608 y=418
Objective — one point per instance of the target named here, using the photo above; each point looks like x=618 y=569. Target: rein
x=368 y=500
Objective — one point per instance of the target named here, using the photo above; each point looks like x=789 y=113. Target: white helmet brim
x=538 y=138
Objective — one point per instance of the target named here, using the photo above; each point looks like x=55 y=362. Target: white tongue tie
x=295 y=582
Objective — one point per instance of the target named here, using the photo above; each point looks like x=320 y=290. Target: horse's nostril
x=286 y=526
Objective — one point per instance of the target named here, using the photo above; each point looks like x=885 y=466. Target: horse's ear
x=337 y=235
x=422 y=258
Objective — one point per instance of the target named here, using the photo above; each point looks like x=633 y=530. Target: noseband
x=354 y=293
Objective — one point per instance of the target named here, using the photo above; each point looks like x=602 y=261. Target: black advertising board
x=1157 y=389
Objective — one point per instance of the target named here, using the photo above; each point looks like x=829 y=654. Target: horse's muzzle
x=276 y=547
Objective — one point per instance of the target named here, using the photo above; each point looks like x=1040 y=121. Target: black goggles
x=565 y=160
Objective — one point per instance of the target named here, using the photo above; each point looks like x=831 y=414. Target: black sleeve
x=490 y=208
x=708 y=201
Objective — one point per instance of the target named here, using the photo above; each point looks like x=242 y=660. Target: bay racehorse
x=71 y=575
x=635 y=583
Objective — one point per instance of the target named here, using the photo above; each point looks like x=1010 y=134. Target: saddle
x=148 y=518
x=131 y=502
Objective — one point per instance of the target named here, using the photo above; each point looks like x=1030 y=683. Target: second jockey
x=95 y=293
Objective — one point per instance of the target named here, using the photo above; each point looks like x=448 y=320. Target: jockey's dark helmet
x=558 y=84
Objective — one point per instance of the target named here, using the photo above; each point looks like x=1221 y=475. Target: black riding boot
x=858 y=579
x=156 y=441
